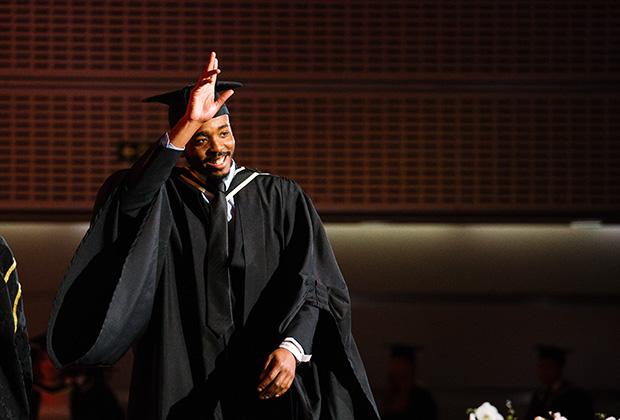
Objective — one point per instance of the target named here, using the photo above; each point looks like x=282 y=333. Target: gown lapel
x=247 y=238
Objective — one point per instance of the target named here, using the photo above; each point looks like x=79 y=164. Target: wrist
x=292 y=351
x=183 y=131
x=187 y=117
x=290 y=355
x=187 y=121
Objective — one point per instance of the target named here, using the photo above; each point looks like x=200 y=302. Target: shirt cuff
x=165 y=141
x=296 y=349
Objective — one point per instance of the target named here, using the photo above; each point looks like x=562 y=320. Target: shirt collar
x=231 y=175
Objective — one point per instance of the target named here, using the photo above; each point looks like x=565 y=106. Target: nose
x=215 y=145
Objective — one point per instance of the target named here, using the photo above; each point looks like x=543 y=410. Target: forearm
x=301 y=331
x=183 y=131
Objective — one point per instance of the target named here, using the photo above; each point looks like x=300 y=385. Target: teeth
x=218 y=160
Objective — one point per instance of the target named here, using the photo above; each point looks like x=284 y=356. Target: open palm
x=202 y=104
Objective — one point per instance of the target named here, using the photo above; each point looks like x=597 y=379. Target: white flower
x=472 y=416
x=610 y=418
x=487 y=412
x=539 y=418
x=558 y=416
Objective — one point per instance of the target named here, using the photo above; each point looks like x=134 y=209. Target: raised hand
x=202 y=104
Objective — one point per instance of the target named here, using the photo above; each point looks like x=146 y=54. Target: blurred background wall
x=476 y=297
x=448 y=144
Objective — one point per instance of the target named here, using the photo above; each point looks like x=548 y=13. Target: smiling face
x=211 y=149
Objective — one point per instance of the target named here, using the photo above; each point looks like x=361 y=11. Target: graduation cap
x=177 y=100
x=555 y=353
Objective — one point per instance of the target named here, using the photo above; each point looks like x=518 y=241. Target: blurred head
x=549 y=371
x=45 y=375
x=551 y=361
x=401 y=367
x=401 y=372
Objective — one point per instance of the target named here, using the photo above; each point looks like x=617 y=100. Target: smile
x=216 y=158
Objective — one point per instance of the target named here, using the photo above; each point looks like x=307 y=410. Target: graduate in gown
x=557 y=395
x=15 y=365
x=406 y=399
x=220 y=277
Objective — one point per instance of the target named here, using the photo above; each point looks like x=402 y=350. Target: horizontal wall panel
x=431 y=107
x=355 y=39
x=404 y=151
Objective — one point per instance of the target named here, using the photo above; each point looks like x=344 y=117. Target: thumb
x=224 y=97
x=267 y=363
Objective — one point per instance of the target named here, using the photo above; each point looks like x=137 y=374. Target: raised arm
x=153 y=169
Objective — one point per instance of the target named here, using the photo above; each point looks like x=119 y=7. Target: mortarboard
x=555 y=353
x=177 y=100
x=404 y=351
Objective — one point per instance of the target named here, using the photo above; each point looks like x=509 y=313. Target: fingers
x=276 y=388
x=208 y=77
x=284 y=386
x=210 y=70
x=268 y=374
x=277 y=375
x=271 y=388
x=216 y=68
x=264 y=373
x=223 y=97
x=203 y=104
x=212 y=64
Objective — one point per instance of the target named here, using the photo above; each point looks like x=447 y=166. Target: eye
x=224 y=134
x=199 y=141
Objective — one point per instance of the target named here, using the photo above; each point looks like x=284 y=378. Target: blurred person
x=91 y=396
x=48 y=384
x=406 y=399
x=556 y=393
x=81 y=392
x=220 y=277
x=15 y=364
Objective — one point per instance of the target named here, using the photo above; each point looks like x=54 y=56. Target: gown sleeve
x=145 y=178
x=311 y=265
x=303 y=326
x=105 y=300
x=15 y=364
x=312 y=269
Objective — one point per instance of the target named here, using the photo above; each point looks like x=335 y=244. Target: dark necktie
x=219 y=305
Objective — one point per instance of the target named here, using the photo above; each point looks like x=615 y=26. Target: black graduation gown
x=421 y=406
x=571 y=401
x=15 y=365
x=141 y=283
x=95 y=402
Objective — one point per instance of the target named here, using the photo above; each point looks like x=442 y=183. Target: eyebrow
x=217 y=129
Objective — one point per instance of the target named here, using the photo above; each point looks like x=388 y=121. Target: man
x=15 y=366
x=556 y=394
x=48 y=383
x=91 y=396
x=222 y=279
x=406 y=400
